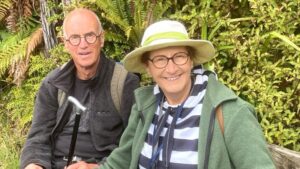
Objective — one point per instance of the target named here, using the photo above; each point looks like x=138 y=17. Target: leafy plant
x=258 y=57
x=125 y=22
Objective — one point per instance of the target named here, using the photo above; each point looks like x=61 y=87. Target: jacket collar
x=144 y=97
x=65 y=76
x=217 y=92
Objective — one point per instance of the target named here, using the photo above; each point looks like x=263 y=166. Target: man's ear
x=102 y=37
x=66 y=45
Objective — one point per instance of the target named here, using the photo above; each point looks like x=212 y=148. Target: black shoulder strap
x=215 y=112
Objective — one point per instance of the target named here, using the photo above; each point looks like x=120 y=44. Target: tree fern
x=11 y=52
x=24 y=95
x=132 y=17
x=36 y=39
x=16 y=107
x=15 y=52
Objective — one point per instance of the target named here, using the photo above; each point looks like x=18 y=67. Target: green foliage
x=13 y=46
x=258 y=57
x=24 y=95
x=10 y=145
x=11 y=50
x=17 y=106
x=124 y=22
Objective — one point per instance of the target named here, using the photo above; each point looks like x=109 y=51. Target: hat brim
x=204 y=52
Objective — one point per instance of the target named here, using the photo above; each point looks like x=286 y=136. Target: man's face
x=83 y=39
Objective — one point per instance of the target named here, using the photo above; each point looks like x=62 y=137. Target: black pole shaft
x=74 y=138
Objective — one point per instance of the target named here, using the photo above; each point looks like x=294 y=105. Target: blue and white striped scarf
x=176 y=145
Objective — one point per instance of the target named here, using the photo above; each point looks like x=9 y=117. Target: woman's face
x=173 y=78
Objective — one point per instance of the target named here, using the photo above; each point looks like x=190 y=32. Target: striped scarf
x=172 y=139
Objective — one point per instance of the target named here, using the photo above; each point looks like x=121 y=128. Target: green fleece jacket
x=241 y=147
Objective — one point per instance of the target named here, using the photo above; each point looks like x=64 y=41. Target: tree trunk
x=49 y=35
x=285 y=158
x=67 y=2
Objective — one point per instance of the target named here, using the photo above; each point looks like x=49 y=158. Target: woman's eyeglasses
x=161 y=61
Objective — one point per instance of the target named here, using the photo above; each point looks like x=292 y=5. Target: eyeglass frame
x=170 y=58
x=84 y=36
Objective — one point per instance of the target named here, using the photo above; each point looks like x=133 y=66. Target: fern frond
x=11 y=20
x=35 y=39
x=18 y=69
x=27 y=8
x=4 y=6
x=27 y=25
x=131 y=17
x=112 y=13
x=17 y=57
x=6 y=49
x=24 y=94
x=12 y=50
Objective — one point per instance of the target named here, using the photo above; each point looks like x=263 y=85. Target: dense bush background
x=257 y=42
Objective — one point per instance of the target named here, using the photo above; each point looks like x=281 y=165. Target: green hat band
x=165 y=35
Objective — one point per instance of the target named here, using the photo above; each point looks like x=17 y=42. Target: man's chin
x=87 y=66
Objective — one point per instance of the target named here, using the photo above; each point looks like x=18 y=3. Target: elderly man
x=87 y=77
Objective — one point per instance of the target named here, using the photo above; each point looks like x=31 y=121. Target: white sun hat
x=163 y=34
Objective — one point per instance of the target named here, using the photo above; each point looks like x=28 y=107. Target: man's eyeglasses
x=162 y=61
x=90 y=38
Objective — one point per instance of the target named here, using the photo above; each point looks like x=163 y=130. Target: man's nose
x=83 y=43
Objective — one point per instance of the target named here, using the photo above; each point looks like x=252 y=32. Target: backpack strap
x=220 y=119
x=61 y=96
x=117 y=84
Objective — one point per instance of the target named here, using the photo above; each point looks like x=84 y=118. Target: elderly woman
x=188 y=119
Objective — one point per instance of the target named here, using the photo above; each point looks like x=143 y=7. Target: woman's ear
x=192 y=62
x=147 y=69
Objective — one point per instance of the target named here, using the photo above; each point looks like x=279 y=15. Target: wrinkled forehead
x=81 y=22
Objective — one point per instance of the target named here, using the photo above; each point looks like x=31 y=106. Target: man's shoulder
x=132 y=78
x=52 y=74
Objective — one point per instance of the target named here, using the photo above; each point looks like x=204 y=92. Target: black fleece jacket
x=49 y=118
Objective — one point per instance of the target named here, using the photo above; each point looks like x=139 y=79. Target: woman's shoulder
x=144 y=96
x=144 y=90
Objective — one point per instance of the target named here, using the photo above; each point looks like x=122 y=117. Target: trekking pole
x=78 y=109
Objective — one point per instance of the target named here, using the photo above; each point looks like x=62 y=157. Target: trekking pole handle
x=77 y=104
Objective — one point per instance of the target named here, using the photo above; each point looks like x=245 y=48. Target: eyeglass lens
x=162 y=61
x=90 y=38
